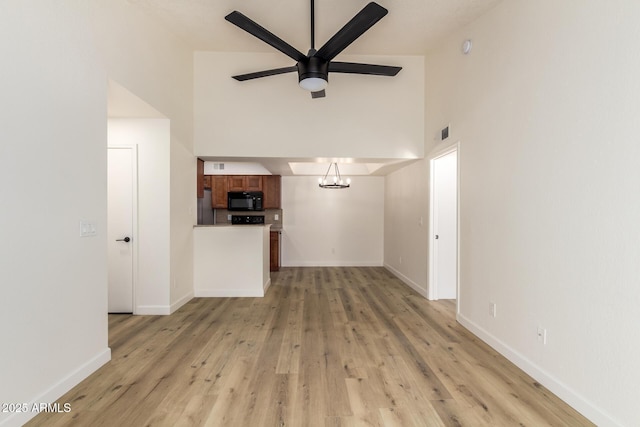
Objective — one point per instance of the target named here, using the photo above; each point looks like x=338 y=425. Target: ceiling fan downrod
x=313 y=26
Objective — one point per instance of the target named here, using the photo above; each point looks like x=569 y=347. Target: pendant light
x=335 y=181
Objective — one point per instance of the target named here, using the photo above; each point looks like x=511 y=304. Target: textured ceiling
x=411 y=27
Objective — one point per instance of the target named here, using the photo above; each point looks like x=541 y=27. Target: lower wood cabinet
x=274 y=253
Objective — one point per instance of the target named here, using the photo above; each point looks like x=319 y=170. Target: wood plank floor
x=325 y=347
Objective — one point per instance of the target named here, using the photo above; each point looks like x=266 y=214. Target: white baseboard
x=57 y=390
x=413 y=285
x=153 y=310
x=266 y=286
x=180 y=302
x=575 y=400
x=332 y=264
x=227 y=293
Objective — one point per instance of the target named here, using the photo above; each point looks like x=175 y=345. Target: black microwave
x=244 y=201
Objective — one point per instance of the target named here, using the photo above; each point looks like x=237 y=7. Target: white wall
x=361 y=116
x=151 y=137
x=545 y=108
x=406 y=224
x=157 y=67
x=53 y=300
x=148 y=60
x=332 y=227
x=183 y=216
x=231 y=261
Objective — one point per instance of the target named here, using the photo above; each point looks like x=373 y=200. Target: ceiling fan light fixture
x=313 y=74
x=313 y=84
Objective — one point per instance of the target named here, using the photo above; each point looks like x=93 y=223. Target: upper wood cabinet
x=253 y=183
x=244 y=182
x=200 y=178
x=219 y=191
x=221 y=184
x=236 y=182
x=271 y=189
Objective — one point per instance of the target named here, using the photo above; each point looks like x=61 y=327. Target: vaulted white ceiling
x=411 y=27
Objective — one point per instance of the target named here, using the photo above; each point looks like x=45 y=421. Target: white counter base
x=231 y=260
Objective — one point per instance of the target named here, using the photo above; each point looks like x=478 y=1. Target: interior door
x=445 y=226
x=120 y=214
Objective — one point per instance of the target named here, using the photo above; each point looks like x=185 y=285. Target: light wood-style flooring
x=325 y=347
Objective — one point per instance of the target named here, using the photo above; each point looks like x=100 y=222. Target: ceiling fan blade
x=265 y=73
x=353 y=29
x=318 y=94
x=355 y=68
x=251 y=27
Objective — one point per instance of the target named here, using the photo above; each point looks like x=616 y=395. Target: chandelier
x=335 y=181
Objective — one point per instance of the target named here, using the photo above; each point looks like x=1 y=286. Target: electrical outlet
x=276 y=217
x=492 y=309
x=542 y=335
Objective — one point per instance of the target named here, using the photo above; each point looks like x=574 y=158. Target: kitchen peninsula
x=231 y=261
x=237 y=239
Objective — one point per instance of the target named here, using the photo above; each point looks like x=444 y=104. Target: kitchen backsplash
x=223 y=216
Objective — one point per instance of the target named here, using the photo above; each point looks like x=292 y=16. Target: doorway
x=121 y=233
x=443 y=253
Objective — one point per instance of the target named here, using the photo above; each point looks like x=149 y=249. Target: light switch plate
x=88 y=228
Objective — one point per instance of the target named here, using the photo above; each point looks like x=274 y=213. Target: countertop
x=274 y=227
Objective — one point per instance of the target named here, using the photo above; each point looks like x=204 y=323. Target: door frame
x=432 y=293
x=134 y=222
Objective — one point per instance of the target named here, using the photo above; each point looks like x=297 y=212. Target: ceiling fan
x=314 y=67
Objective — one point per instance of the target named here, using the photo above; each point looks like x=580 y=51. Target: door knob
x=437 y=237
x=126 y=239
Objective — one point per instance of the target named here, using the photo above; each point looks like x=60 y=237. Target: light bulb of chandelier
x=348 y=181
x=335 y=179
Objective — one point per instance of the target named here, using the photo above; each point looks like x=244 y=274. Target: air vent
x=218 y=166
x=444 y=134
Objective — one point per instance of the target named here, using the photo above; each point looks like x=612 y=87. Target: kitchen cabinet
x=219 y=191
x=274 y=252
x=200 y=178
x=253 y=183
x=244 y=182
x=221 y=184
x=271 y=189
x=236 y=183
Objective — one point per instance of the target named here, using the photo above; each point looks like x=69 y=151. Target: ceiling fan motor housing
x=313 y=67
